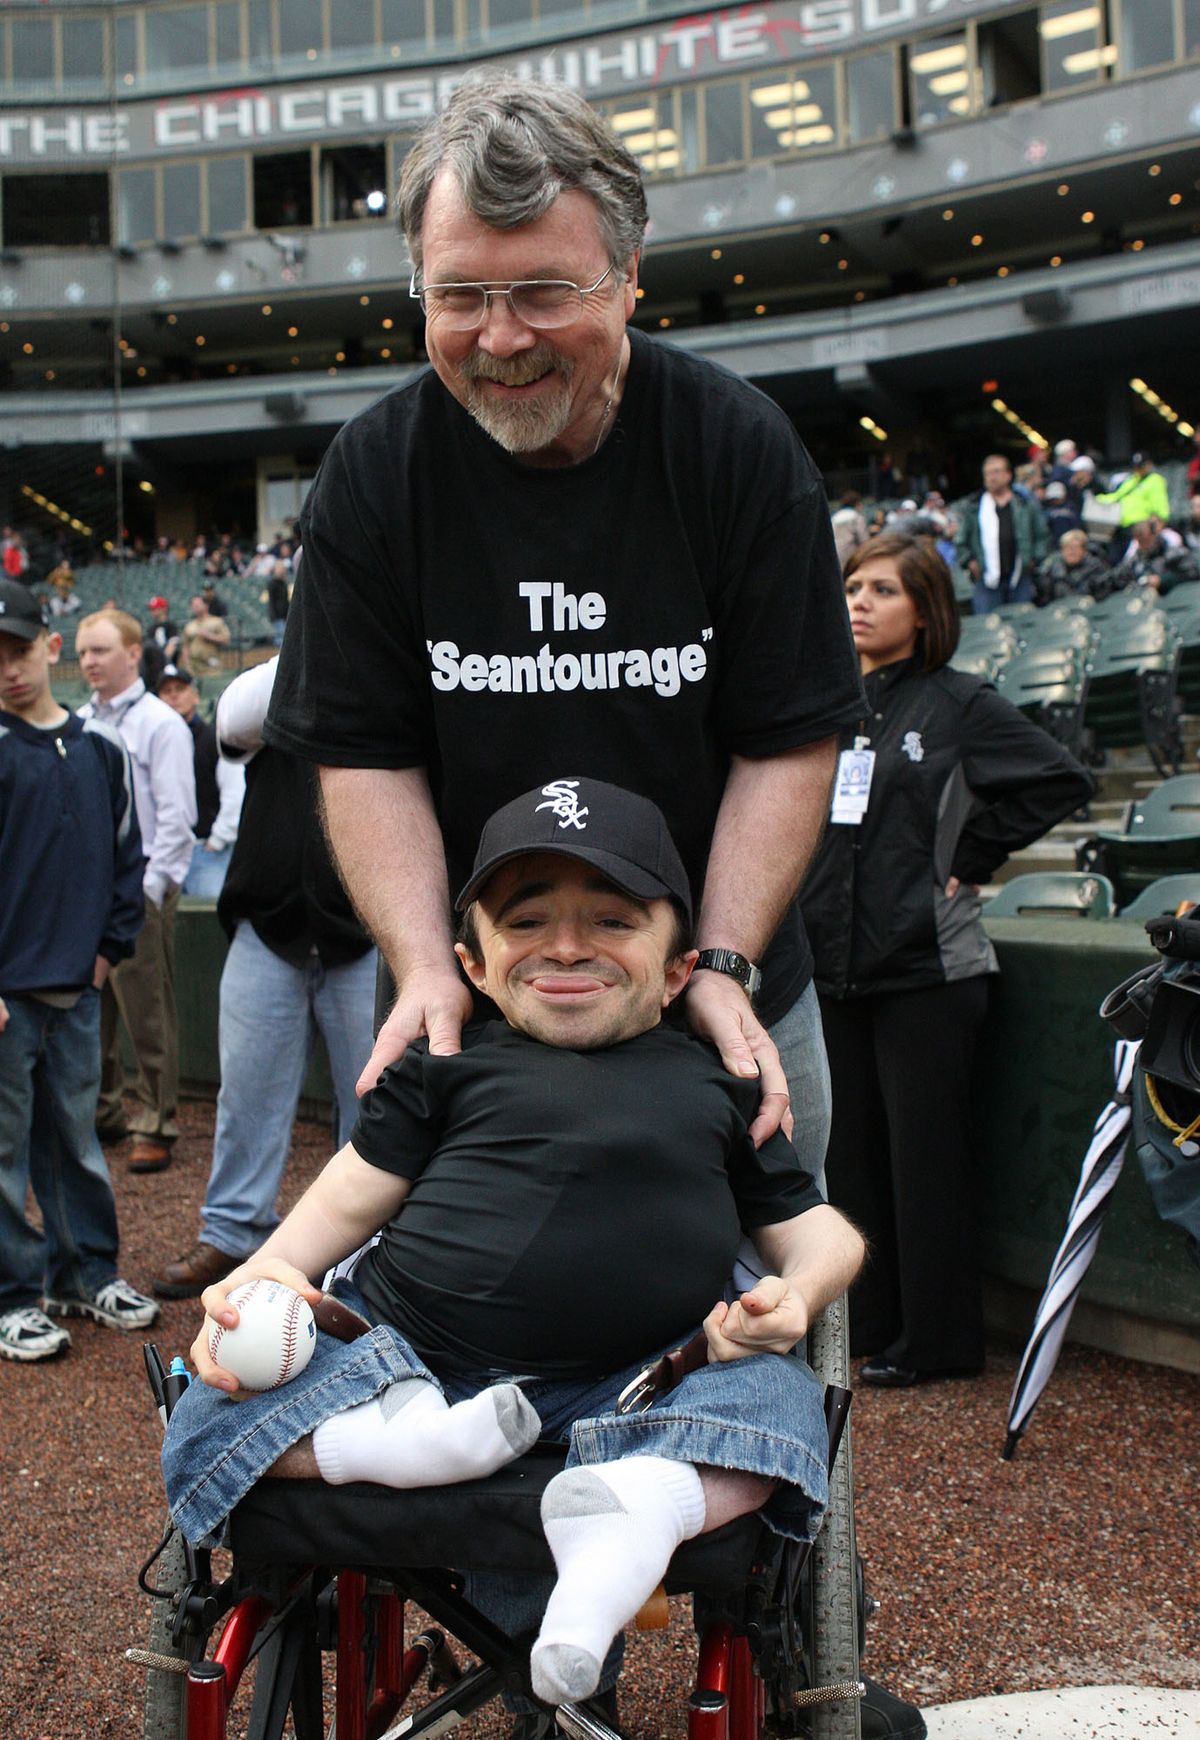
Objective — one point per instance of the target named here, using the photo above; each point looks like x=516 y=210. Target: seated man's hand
x=436 y=1003
x=771 y=1318
x=215 y=1300
x=719 y=1010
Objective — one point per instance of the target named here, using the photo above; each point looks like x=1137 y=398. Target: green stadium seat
x=1049 y=685
x=1054 y=894
x=1162 y=898
x=975 y=664
x=1133 y=677
x=1161 y=838
x=1182 y=600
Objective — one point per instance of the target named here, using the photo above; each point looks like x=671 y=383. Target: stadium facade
x=927 y=227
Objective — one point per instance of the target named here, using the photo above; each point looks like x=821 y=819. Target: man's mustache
x=515 y=371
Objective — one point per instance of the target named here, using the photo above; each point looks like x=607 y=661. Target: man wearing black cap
x=72 y=908
x=574 y=1183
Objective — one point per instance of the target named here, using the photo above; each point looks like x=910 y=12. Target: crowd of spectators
x=1050 y=528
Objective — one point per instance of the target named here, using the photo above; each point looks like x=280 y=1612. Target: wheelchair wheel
x=165 y=1706
x=835 y=1603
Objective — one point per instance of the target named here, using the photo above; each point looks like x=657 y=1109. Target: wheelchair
x=326 y=1573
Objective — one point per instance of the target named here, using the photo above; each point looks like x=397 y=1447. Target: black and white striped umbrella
x=1101 y=1168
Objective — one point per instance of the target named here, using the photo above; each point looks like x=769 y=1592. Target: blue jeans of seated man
x=763 y=1414
x=49 y=1080
x=206 y=872
x=270 y=1014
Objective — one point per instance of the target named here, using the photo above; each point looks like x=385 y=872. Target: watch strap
x=734 y=966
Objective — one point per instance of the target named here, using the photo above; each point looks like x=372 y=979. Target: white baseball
x=274 y=1337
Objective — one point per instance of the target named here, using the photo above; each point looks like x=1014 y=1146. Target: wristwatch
x=735 y=966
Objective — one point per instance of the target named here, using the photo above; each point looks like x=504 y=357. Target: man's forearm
x=819 y=1253
x=385 y=837
x=768 y=826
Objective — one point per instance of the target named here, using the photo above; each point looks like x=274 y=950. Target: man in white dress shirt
x=142 y=990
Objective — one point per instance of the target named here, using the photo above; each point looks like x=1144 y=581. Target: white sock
x=612 y=1528
x=411 y=1436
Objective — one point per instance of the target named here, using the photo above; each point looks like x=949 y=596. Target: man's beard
x=527 y=427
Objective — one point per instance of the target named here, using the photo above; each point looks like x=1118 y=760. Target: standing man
x=204 y=634
x=142 y=990
x=159 y=642
x=220 y=787
x=567 y=544
x=71 y=873
x=1002 y=541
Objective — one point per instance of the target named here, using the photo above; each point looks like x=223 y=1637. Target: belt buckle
x=638 y=1394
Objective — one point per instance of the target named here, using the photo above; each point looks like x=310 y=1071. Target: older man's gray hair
x=513 y=145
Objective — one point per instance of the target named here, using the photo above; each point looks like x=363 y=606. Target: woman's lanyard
x=852 y=784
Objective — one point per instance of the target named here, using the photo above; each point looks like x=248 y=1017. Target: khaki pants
x=142 y=992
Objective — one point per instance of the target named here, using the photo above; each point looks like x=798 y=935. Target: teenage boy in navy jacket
x=71 y=874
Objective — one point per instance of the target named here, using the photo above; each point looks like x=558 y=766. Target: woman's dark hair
x=926 y=579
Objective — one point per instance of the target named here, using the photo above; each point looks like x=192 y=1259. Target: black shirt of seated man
x=638 y=617
x=529 y=1159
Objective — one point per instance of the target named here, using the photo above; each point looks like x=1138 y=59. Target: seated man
x=559 y=1201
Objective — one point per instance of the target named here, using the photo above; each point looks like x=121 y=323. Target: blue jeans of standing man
x=206 y=873
x=49 y=1080
x=270 y=1015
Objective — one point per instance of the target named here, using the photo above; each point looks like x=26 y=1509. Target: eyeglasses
x=543 y=303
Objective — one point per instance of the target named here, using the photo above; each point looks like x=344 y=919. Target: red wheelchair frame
x=283 y=1610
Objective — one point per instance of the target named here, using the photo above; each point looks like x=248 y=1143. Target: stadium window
x=82 y=49
x=300 y=29
x=353 y=183
x=647 y=127
x=32 y=51
x=1073 y=51
x=508 y=14
x=176 y=40
x=445 y=28
x=59 y=211
x=227 y=33
x=549 y=8
x=792 y=109
x=228 y=211
x=125 y=50
x=260 y=49
x=282 y=190
x=180 y=200
x=871 y=96
x=137 y=216
x=724 y=123
x=1009 y=59
x=1191 y=29
x=1145 y=34
x=940 y=79
x=402 y=24
x=351 y=23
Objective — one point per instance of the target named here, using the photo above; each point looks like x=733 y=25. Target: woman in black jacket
x=937 y=784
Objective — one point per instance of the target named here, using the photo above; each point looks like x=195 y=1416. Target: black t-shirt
x=636 y=618
x=204 y=755
x=281 y=877
x=1007 y=542
x=571 y=1210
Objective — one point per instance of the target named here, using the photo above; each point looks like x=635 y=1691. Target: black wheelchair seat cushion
x=476 y=1525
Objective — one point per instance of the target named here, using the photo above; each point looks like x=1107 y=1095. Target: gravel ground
x=1074 y=1564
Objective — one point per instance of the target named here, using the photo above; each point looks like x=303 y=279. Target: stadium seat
x=1054 y=894
x=1162 y=898
x=1161 y=838
x=1133 y=675
x=1049 y=685
x=976 y=663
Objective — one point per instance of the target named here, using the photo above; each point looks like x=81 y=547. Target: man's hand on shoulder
x=719 y=1011
x=432 y=1002
x=771 y=1318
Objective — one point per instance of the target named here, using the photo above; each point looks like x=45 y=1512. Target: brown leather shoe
x=148 y=1154
x=190 y=1274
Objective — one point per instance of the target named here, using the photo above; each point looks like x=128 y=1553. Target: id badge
x=852 y=787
